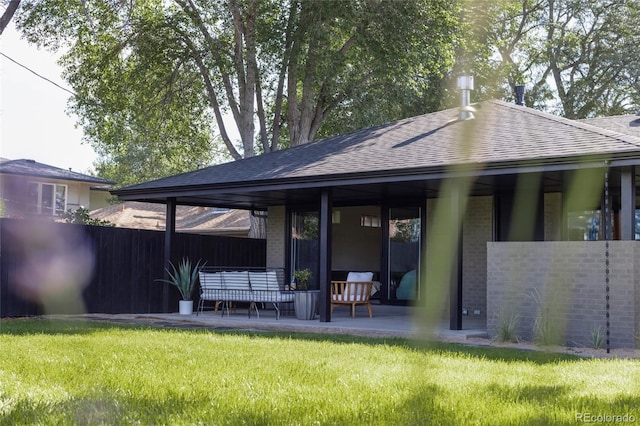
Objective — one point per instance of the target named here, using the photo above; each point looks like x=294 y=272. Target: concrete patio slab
x=387 y=321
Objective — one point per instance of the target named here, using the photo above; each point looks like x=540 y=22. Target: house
x=31 y=188
x=499 y=210
x=196 y=220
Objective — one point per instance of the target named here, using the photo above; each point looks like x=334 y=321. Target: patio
x=387 y=321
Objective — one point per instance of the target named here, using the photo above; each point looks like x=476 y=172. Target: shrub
x=508 y=327
x=597 y=337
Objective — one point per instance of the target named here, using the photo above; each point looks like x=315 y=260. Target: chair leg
x=276 y=306
x=370 y=312
x=353 y=310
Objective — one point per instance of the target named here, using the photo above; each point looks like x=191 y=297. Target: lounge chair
x=356 y=290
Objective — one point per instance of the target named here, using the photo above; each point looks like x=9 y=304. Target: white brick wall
x=477 y=231
x=276 y=233
x=569 y=278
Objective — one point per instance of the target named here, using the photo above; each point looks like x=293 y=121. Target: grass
x=69 y=373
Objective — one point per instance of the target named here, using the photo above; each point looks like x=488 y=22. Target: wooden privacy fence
x=39 y=258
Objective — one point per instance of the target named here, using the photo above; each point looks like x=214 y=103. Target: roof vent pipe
x=520 y=94
x=465 y=85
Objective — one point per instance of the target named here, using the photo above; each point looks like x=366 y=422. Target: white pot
x=186 y=307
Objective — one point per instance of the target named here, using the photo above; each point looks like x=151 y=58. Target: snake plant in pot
x=184 y=277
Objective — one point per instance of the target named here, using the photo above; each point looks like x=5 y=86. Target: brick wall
x=566 y=281
x=276 y=237
x=477 y=231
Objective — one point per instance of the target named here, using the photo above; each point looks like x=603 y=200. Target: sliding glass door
x=404 y=254
x=305 y=244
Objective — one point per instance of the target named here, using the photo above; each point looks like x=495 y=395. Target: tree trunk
x=8 y=14
x=258 y=226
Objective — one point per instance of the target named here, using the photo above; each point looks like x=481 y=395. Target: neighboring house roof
x=201 y=220
x=35 y=169
x=503 y=138
x=627 y=124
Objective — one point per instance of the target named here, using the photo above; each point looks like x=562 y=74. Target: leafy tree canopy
x=155 y=79
x=577 y=58
x=164 y=85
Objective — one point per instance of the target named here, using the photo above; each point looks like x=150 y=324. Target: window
x=46 y=198
x=305 y=244
x=404 y=253
x=370 y=221
x=585 y=225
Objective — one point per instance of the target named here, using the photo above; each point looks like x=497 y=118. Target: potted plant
x=302 y=277
x=305 y=300
x=184 y=278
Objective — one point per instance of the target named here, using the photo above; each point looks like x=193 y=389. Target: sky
x=33 y=121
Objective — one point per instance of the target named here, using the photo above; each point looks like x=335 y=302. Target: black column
x=326 y=207
x=455 y=285
x=169 y=232
x=384 y=254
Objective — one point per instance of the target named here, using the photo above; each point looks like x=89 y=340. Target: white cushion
x=272 y=280
x=354 y=291
x=235 y=280
x=263 y=281
x=360 y=276
x=210 y=280
x=344 y=298
x=259 y=281
x=356 y=297
x=357 y=277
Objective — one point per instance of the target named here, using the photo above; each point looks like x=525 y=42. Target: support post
x=326 y=207
x=384 y=254
x=628 y=203
x=169 y=232
x=455 y=285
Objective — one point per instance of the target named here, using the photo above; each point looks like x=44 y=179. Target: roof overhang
x=375 y=187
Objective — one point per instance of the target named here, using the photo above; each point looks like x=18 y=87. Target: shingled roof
x=32 y=168
x=501 y=137
x=200 y=220
x=628 y=124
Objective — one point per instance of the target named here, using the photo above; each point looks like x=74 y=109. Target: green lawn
x=91 y=373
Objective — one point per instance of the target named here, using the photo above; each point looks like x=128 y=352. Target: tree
x=575 y=56
x=155 y=79
x=10 y=9
x=81 y=216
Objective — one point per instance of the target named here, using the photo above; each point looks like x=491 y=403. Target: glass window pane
x=61 y=199
x=47 y=199
x=33 y=198
x=404 y=253
x=305 y=244
x=584 y=225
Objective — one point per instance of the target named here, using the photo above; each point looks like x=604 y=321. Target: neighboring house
x=29 y=188
x=196 y=220
x=490 y=205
